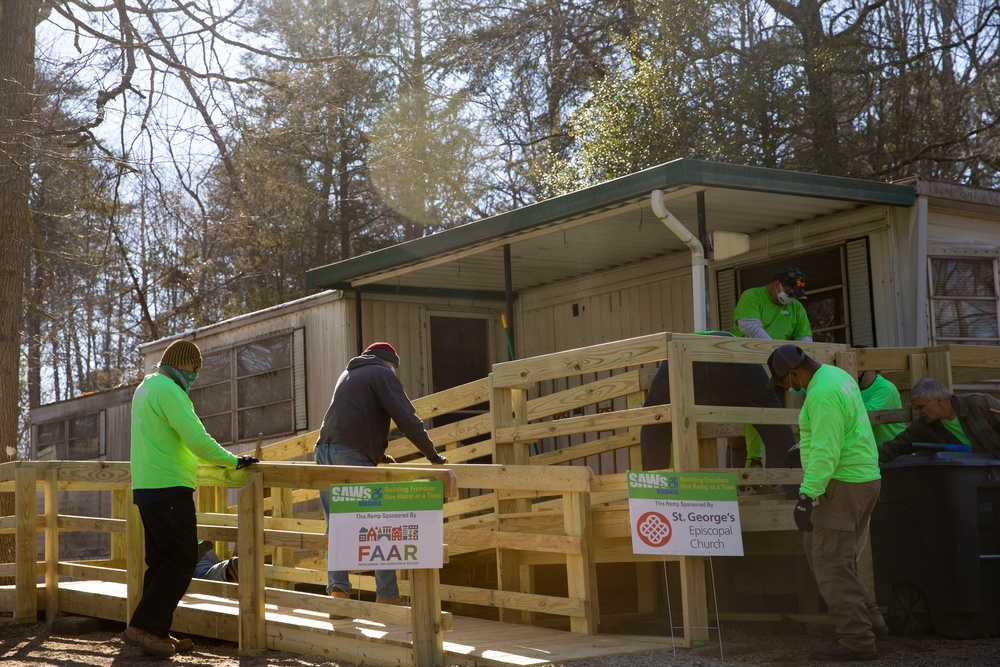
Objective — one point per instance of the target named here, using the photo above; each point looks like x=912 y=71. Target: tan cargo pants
x=840 y=526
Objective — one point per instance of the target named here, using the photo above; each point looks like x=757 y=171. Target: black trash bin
x=936 y=544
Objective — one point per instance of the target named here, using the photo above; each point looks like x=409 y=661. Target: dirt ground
x=98 y=645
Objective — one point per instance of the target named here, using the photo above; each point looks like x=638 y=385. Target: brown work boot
x=396 y=601
x=337 y=593
x=840 y=653
x=180 y=645
x=148 y=642
x=233 y=570
x=204 y=547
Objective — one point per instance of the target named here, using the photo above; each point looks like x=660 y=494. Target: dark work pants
x=739 y=385
x=171 y=555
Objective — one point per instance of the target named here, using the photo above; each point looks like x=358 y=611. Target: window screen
x=963 y=295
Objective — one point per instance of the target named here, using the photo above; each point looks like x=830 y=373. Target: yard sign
x=684 y=514
x=390 y=526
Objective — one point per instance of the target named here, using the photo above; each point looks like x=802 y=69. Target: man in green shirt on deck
x=773 y=310
x=943 y=417
x=880 y=394
x=840 y=487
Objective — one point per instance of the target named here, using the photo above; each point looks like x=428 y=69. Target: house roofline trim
x=684 y=172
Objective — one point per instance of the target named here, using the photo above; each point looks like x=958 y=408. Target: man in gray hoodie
x=355 y=432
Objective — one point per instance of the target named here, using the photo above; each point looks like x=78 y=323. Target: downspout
x=922 y=338
x=359 y=333
x=699 y=264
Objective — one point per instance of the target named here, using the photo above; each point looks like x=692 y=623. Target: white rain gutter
x=699 y=264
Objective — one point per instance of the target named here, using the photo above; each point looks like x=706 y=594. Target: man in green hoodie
x=168 y=440
x=842 y=480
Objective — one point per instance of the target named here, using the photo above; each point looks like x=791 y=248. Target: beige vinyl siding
x=646 y=297
x=964 y=230
x=884 y=289
x=643 y=298
x=118 y=423
x=405 y=323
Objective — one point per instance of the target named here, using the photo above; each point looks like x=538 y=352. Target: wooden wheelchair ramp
x=471 y=642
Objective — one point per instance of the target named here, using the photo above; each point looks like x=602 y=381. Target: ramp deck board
x=473 y=642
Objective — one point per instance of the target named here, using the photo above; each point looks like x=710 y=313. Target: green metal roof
x=738 y=198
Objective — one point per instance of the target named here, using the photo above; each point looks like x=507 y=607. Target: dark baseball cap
x=792 y=278
x=786 y=358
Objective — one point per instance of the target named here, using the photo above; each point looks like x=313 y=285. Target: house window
x=77 y=438
x=254 y=387
x=963 y=295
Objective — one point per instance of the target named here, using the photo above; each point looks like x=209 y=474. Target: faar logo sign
x=654 y=529
x=392 y=526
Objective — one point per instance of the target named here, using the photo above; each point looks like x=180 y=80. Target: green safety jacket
x=168 y=438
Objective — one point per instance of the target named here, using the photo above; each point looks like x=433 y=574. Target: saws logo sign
x=391 y=525
x=654 y=529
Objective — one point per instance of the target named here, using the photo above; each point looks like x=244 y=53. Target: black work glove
x=438 y=460
x=245 y=460
x=803 y=513
x=387 y=459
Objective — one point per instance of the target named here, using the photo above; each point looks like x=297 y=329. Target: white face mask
x=783 y=298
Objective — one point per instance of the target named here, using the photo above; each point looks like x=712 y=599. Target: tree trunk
x=17 y=75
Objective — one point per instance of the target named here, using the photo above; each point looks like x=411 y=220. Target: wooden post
x=51 y=543
x=253 y=633
x=281 y=503
x=510 y=408
x=135 y=564
x=918 y=368
x=635 y=400
x=119 y=510
x=848 y=361
x=684 y=422
x=939 y=367
x=425 y=617
x=694 y=600
x=645 y=573
x=25 y=545
x=581 y=569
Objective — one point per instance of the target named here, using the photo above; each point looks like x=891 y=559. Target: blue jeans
x=342 y=455
x=210 y=567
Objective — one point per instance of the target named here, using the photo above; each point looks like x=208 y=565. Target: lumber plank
x=585 y=394
x=589 y=448
x=517 y=477
x=425 y=617
x=549 y=604
x=685 y=430
x=134 y=557
x=602 y=357
x=483 y=539
x=25 y=543
x=456 y=398
x=51 y=544
x=253 y=631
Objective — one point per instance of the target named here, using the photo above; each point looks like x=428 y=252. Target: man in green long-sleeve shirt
x=841 y=478
x=168 y=439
